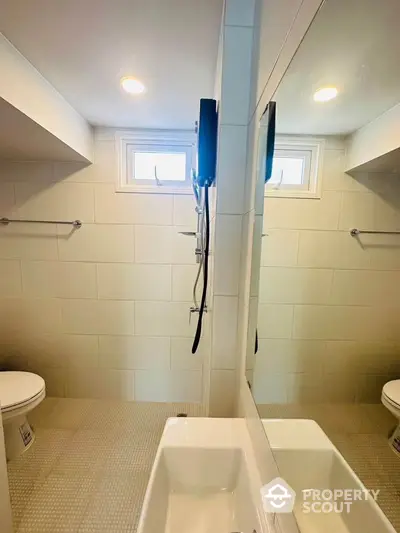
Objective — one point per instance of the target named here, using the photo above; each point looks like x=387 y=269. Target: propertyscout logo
x=279 y=497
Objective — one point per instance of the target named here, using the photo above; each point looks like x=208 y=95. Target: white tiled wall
x=238 y=53
x=329 y=309
x=101 y=311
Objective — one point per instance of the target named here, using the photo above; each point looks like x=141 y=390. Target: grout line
x=21 y=278
x=96 y=277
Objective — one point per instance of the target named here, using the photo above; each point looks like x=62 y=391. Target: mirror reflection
x=325 y=320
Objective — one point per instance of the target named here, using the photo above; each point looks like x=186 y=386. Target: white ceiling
x=84 y=47
x=353 y=45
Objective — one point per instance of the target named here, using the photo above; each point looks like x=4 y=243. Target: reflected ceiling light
x=132 y=85
x=325 y=94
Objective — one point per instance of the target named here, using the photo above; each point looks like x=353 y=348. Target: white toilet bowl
x=391 y=400
x=20 y=392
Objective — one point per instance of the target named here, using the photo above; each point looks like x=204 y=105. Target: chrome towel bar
x=354 y=232
x=76 y=223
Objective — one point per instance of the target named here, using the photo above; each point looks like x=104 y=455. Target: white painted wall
x=22 y=86
x=103 y=311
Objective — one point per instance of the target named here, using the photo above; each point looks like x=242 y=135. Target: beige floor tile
x=59 y=505
x=89 y=467
x=43 y=455
x=86 y=452
x=67 y=413
x=116 y=505
x=22 y=488
x=40 y=415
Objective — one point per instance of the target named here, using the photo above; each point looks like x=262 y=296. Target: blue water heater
x=207 y=142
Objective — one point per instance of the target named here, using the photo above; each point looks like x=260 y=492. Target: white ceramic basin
x=307 y=459
x=201 y=480
x=200 y=490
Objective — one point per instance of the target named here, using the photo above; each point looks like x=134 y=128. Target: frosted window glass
x=287 y=171
x=171 y=166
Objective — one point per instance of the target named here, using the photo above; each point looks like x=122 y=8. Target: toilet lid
x=19 y=387
x=392 y=391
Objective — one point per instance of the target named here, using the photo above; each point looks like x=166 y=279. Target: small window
x=296 y=168
x=158 y=162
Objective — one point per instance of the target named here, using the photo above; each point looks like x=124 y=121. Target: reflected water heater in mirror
x=270 y=114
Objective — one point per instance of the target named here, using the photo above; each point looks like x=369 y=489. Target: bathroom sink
x=200 y=490
x=307 y=460
x=202 y=480
x=205 y=479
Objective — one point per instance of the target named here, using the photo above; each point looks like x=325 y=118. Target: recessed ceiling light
x=325 y=94
x=132 y=85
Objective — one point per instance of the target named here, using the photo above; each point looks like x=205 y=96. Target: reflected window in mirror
x=296 y=168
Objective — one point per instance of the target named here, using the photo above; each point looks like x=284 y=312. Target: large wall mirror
x=324 y=327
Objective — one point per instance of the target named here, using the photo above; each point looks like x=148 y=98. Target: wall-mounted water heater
x=207 y=142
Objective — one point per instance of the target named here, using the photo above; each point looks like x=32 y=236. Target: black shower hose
x=199 y=328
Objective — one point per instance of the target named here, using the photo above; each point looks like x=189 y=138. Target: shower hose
x=204 y=267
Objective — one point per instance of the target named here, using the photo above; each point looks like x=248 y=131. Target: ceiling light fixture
x=132 y=85
x=325 y=94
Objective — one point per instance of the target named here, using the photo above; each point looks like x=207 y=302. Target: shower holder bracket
x=195 y=310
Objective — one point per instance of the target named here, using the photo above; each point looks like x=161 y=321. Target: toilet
x=391 y=400
x=20 y=392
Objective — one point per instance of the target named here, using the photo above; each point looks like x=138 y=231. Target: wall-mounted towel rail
x=354 y=232
x=76 y=223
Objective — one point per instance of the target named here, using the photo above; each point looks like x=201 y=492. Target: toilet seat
x=19 y=389
x=391 y=393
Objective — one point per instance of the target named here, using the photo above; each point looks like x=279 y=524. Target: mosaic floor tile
x=89 y=467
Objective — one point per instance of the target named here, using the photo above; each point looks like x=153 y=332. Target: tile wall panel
x=89 y=308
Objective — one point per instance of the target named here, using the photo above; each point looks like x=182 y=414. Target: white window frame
x=312 y=149
x=127 y=142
